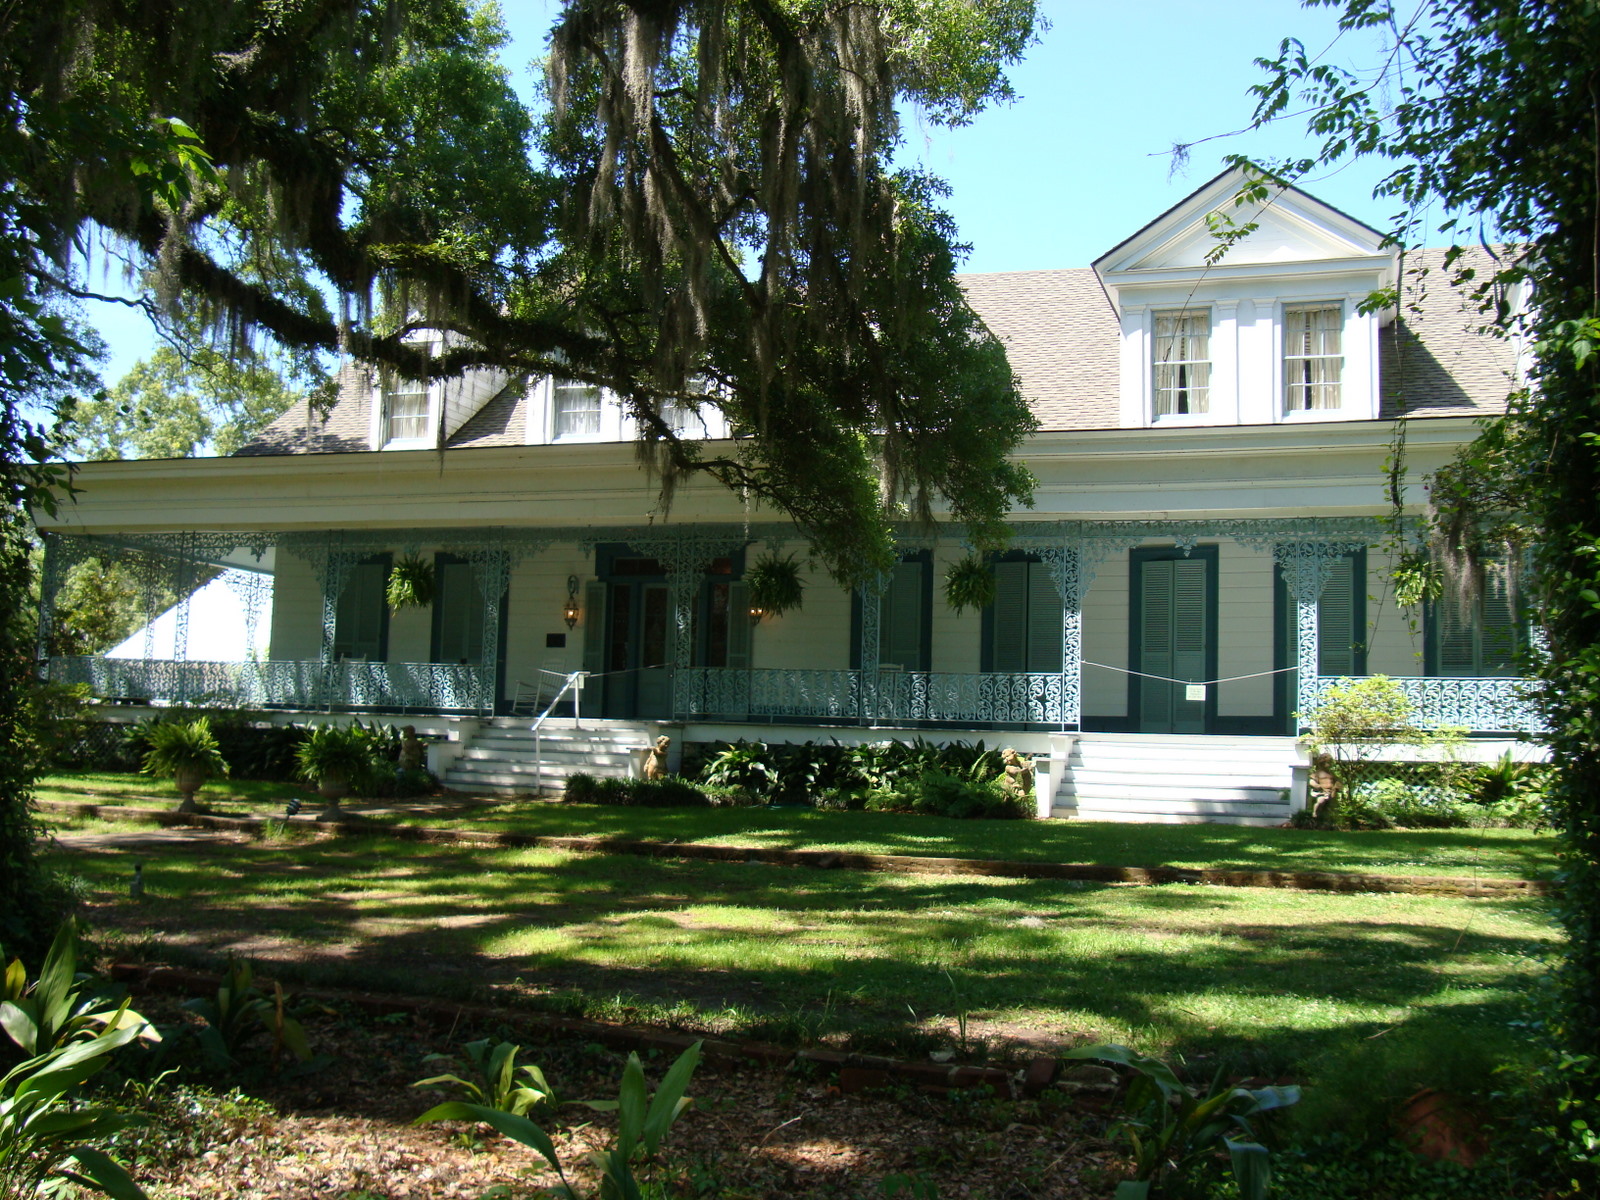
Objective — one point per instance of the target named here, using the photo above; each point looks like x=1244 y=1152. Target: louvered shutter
x=1044 y=621
x=1188 y=641
x=594 y=626
x=900 y=631
x=1497 y=635
x=1336 y=628
x=1456 y=655
x=1155 y=654
x=1010 y=616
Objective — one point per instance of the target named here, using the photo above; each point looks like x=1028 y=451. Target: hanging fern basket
x=774 y=585
x=969 y=583
x=410 y=583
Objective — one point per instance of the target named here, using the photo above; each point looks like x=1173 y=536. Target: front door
x=638 y=676
x=1174 y=633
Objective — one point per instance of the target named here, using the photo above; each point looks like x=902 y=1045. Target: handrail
x=573 y=681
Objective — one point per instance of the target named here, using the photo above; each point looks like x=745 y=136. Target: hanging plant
x=410 y=583
x=774 y=584
x=969 y=583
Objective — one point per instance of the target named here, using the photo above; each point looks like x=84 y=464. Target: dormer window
x=1182 y=363
x=577 y=408
x=1313 y=360
x=405 y=412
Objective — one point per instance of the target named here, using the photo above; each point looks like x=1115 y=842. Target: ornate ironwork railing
x=992 y=698
x=287 y=683
x=1496 y=704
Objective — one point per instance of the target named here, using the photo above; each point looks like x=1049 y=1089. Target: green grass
x=1505 y=853
x=232 y=797
x=1265 y=979
x=1495 y=853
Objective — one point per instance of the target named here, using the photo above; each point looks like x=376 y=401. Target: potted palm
x=187 y=751
x=336 y=758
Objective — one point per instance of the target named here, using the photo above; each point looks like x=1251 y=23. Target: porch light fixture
x=569 y=611
x=756 y=614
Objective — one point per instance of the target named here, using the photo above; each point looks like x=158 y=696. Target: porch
x=1204 y=628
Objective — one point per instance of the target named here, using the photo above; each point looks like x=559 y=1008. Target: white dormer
x=413 y=415
x=1269 y=333
x=561 y=411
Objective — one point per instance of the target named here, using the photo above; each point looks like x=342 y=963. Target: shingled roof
x=1061 y=335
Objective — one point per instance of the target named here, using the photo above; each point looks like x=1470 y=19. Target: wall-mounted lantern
x=756 y=614
x=570 y=611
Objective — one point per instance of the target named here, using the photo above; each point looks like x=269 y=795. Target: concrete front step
x=1166 y=818
x=1135 y=788
x=504 y=757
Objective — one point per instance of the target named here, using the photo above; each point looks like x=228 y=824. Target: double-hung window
x=1182 y=363
x=1312 y=358
x=405 y=412
x=577 y=408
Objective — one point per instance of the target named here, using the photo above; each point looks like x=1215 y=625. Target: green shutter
x=1456 y=651
x=1188 y=641
x=460 y=614
x=594 y=626
x=1010 y=616
x=1336 y=621
x=1155 y=645
x=362 y=613
x=1497 y=635
x=1044 y=621
x=900 y=631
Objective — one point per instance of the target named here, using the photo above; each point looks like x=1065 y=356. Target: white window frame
x=1189 y=366
x=383 y=416
x=1286 y=383
x=594 y=429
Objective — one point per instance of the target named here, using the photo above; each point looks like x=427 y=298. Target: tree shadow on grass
x=838 y=955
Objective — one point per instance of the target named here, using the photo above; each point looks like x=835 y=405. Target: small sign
x=1195 y=692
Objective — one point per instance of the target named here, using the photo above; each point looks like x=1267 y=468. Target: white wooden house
x=1204 y=557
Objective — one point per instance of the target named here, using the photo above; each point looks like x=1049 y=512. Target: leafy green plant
x=746 y=765
x=62 y=1005
x=969 y=583
x=1175 y=1132
x=43 y=1129
x=774 y=585
x=239 y=1011
x=186 y=750
x=337 y=758
x=642 y=1121
x=501 y=1084
x=410 y=583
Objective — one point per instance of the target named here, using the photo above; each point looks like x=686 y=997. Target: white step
x=1143 y=788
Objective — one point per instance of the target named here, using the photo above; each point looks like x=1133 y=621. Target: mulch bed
x=757 y=1130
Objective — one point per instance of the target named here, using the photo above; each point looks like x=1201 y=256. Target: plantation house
x=1205 y=556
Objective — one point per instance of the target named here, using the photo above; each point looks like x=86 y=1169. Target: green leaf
x=1252 y=1168
x=669 y=1100
x=100 y=1171
x=1133 y=1189
x=631 y=1105
x=518 y=1129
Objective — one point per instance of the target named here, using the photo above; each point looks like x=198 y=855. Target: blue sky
x=1080 y=161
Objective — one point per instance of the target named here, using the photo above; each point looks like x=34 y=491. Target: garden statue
x=411 y=755
x=1019 y=774
x=655 y=759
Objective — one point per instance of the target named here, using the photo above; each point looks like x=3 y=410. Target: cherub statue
x=655 y=759
x=1019 y=773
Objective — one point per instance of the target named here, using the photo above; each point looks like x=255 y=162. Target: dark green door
x=1173 y=598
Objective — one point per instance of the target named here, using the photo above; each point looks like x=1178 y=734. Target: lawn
x=1268 y=980
x=1499 y=853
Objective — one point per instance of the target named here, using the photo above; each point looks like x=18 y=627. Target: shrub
x=671 y=792
x=580 y=788
x=744 y=765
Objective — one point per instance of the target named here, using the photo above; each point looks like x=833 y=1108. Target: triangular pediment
x=1289 y=226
